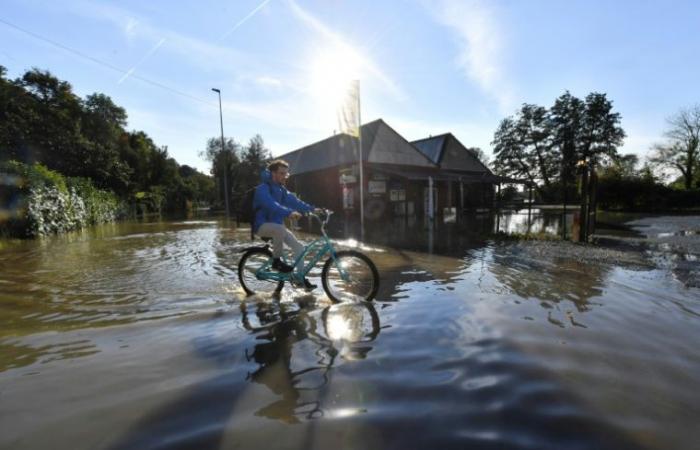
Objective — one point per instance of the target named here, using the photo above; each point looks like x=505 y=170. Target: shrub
x=51 y=203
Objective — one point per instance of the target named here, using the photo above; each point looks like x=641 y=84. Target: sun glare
x=332 y=71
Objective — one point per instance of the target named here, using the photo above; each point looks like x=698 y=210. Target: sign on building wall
x=348 y=198
x=376 y=187
x=347 y=178
x=397 y=195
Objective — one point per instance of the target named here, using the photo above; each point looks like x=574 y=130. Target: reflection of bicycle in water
x=346 y=274
x=347 y=331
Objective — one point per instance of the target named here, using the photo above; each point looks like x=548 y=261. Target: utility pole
x=223 y=149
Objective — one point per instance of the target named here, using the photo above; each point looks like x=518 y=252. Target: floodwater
x=136 y=335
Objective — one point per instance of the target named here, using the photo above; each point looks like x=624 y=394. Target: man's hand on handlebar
x=295 y=215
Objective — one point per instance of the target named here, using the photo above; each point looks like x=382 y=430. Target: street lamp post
x=223 y=149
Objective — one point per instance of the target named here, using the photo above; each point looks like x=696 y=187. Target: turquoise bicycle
x=346 y=274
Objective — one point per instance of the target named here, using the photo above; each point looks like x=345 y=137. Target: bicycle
x=346 y=274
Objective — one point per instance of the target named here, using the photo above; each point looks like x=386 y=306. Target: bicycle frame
x=319 y=248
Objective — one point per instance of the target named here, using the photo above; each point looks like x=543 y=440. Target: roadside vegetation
x=548 y=146
x=61 y=154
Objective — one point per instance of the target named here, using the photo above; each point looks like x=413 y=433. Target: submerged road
x=136 y=335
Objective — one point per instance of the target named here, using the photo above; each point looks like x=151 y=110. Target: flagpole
x=362 y=181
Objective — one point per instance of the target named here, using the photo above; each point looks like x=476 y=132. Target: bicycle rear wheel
x=251 y=261
x=351 y=276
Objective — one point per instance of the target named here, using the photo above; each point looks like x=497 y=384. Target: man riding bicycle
x=272 y=204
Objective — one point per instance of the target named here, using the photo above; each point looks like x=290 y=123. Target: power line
x=104 y=63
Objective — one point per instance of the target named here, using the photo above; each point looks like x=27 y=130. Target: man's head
x=279 y=170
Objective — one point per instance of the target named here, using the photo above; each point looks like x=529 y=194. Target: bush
x=639 y=194
x=46 y=202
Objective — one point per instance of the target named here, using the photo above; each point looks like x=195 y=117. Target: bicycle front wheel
x=251 y=261
x=350 y=276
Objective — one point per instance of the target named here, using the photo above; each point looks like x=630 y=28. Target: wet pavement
x=136 y=335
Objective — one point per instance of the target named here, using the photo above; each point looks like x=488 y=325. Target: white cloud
x=130 y=28
x=268 y=81
x=481 y=46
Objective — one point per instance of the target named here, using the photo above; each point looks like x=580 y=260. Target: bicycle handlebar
x=323 y=217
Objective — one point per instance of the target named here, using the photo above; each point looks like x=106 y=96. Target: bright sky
x=426 y=67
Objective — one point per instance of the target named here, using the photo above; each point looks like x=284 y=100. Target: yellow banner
x=349 y=110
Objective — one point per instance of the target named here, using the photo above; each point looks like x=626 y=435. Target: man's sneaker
x=281 y=266
x=308 y=285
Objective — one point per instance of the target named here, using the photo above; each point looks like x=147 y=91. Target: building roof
x=380 y=144
x=431 y=147
x=449 y=153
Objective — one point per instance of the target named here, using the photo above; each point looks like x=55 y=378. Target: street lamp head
x=216 y=90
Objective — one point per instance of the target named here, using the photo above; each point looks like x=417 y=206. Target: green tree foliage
x=225 y=166
x=509 y=152
x=254 y=159
x=241 y=165
x=541 y=145
x=523 y=146
x=566 y=116
x=43 y=121
x=622 y=186
x=681 y=152
x=17 y=115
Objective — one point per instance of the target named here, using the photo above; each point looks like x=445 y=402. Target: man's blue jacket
x=273 y=202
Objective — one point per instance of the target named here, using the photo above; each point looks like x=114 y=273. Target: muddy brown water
x=136 y=335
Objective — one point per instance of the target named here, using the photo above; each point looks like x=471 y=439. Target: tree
x=199 y=187
x=225 y=163
x=17 y=115
x=565 y=118
x=584 y=130
x=682 y=150
x=55 y=132
x=601 y=133
x=511 y=159
x=42 y=120
x=254 y=159
x=103 y=125
x=523 y=146
x=622 y=166
x=536 y=134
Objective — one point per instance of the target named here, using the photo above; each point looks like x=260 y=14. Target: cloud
x=267 y=81
x=130 y=28
x=481 y=46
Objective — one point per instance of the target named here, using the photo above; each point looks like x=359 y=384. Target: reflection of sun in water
x=339 y=328
x=345 y=322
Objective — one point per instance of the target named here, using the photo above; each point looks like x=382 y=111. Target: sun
x=331 y=72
